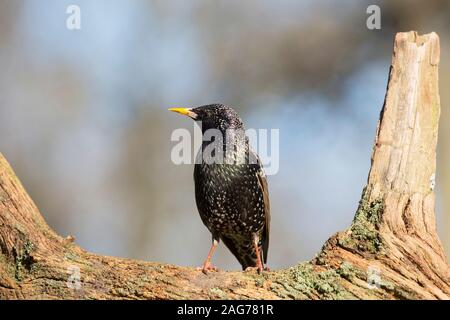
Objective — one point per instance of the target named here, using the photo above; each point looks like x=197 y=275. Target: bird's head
x=213 y=116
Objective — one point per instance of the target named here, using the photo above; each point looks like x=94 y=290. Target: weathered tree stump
x=390 y=251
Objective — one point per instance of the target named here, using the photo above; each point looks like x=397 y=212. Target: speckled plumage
x=232 y=198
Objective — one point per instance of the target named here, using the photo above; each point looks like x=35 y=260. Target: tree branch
x=390 y=251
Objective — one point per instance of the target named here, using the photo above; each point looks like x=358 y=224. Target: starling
x=231 y=195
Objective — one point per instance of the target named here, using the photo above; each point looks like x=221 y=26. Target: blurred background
x=84 y=120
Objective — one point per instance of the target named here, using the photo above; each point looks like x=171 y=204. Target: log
x=390 y=251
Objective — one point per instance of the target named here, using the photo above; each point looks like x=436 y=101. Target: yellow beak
x=185 y=111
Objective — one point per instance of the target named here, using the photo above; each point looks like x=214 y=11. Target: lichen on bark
x=364 y=234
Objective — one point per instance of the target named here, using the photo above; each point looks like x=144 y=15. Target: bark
x=391 y=250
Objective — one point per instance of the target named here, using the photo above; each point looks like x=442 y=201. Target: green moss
x=217 y=292
x=133 y=288
x=319 y=258
x=158 y=268
x=388 y=286
x=398 y=291
x=259 y=282
x=23 y=260
x=119 y=292
x=364 y=235
x=347 y=271
x=35 y=267
x=144 y=279
x=70 y=256
x=325 y=284
x=19 y=228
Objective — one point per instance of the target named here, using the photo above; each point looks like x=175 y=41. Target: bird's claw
x=258 y=269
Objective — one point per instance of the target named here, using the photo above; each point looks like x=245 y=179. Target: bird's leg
x=207 y=266
x=259 y=264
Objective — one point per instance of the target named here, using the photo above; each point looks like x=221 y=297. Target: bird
x=231 y=195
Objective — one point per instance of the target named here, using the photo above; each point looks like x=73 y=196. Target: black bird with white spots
x=231 y=194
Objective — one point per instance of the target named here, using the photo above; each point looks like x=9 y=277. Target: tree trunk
x=390 y=251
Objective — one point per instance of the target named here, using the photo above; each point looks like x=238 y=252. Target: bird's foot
x=259 y=269
x=207 y=267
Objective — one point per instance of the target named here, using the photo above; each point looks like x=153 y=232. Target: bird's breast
x=228 y=198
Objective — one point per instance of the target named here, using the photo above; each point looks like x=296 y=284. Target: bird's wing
x=262 y=180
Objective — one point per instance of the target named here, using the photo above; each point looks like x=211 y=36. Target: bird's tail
x=243 y=250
